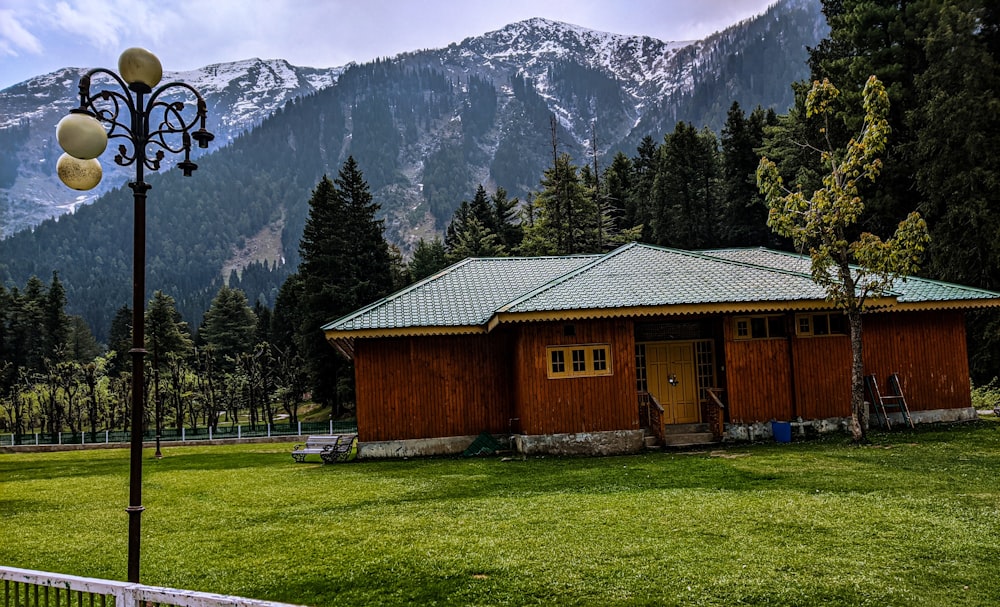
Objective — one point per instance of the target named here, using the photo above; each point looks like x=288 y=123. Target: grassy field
x=913 y=519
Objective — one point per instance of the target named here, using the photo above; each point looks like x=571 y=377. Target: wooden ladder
x=887 y=403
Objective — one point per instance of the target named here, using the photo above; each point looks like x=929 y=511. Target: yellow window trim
x=562 y=363
x=805 y=325
x=748 y=335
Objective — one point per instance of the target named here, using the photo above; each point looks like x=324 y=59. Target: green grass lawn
x=912 y=520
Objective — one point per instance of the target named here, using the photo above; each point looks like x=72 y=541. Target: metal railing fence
x=29 y=588
x=238 y=431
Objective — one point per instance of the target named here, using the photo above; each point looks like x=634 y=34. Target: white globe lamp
x=139 y=66
x=81 y=135
x=79 y=174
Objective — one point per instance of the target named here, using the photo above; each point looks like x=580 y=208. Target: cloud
x=92 y=20
x=15 y=38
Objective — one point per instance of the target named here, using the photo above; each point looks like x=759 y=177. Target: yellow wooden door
x=671 y=378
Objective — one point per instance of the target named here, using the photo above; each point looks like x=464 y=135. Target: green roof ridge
x=904 y=278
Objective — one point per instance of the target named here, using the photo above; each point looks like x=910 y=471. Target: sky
x=41 y=36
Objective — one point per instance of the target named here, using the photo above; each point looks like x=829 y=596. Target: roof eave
x=957 y=304
x=332 y=334
x=672 y=310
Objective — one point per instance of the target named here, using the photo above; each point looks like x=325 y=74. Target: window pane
x=600 y=359
x=579 y=361
x=837 y=324
x=758 y=328
x=558 y=361
x=775 y=326
x=821 y=325
x=742 y=328
x=640 y=367
x=804 y=325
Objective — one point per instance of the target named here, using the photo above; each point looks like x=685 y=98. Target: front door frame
x=672 y=376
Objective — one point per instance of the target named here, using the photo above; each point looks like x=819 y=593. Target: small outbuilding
x=592 y=354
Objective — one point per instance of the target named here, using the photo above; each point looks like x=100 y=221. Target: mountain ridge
x=239 y=96
x=426 y=127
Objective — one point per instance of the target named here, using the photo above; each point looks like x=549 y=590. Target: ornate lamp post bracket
x=147 y=122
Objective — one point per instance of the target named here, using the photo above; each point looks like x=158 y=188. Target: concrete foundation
x=419 y=447
x=813 y=427
x=617 y=442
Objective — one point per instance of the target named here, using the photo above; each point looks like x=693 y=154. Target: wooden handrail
x=713 y=394
x=652 y=400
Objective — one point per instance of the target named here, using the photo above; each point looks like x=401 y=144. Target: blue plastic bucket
x=782 y=432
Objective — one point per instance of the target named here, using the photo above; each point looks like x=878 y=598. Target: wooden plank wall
x=758 y=378
x=581 y=404
x=822 y=368
x=425 y=387
x=927 y=349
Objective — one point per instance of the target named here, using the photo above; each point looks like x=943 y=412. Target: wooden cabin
x=592 y=353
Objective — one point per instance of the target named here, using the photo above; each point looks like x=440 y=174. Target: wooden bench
x=331 y=449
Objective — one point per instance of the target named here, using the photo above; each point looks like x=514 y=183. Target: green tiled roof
x=477 y=293
x=645 y=276
x=910 y=290
x=465 y=294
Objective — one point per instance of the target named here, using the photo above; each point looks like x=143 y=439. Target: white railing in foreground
x=42 y=589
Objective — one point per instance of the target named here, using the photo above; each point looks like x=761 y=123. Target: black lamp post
x=83 y=135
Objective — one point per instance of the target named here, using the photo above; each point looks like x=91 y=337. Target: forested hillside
x=426 y=128
x=689 y=187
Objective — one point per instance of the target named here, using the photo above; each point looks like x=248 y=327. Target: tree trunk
x=858 y=408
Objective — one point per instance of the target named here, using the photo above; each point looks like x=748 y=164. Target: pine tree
x=81 y=347
x=744 y=215
x=56 y=323
x=957 y=159
x=685 y=193
x=345 y=264
x=230 y=327
x=565 y=219
x=505 y=217
x=428 y=258
x=120 y=341
x=475 y=240
x=618 y=181
x=166 y=331
x=166 y=336
x=639 y=208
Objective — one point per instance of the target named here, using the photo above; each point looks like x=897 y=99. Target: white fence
x=28 y=588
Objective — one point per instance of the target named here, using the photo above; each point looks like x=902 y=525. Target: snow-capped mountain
x=605 y=90
x=426 y=128
x=239 y=96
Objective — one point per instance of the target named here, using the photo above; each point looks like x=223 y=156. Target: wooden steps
x=681 y=435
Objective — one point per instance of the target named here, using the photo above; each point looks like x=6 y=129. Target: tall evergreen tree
x=506 y=219
x=565 y=218
x=428 y=258
x=685 y=193
x=120 y=341
x=230 y=327
x=167 y=336
x=166 y=332
x=957 y=158
x=744 y=215
x=81 y=347
x=618 y=182
x=475 y=240
x=56 y=322
x=639 y=207
x=345 y=264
